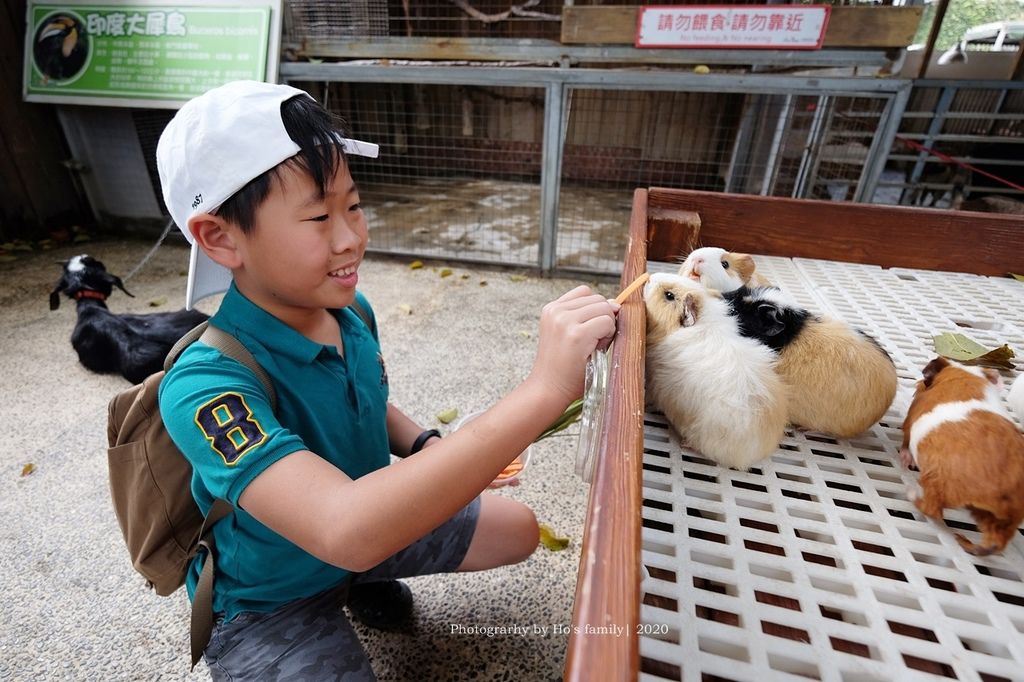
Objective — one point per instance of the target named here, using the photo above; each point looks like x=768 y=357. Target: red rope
x=949 y=159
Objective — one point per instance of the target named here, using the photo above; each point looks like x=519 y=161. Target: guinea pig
x=719 y=269
x=718 y=389
x=968 y=451
x=841 y=380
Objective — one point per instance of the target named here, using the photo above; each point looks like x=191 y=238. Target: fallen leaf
x=517 y=278
x=701 y=69
x=21 y=245
x=483 y=282
x=416 y=265
x=445 y=272
x=81 y=237
x=6 y=258
x=1019 y=278
x=550 y=539
x=447 y=416
x=524 y=334
x=962 y=349
x=157 y=302
x=28 y=469
x=464 y=276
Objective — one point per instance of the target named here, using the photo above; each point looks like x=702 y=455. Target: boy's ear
x=217 y=239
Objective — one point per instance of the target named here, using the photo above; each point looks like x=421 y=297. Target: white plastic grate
x=814 y=565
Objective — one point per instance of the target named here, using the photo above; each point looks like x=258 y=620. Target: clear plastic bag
x=592 y=417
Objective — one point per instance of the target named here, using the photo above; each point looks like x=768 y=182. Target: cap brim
x=205 y=278
x=359 y=148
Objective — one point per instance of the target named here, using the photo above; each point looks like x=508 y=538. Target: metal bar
x=889 y=124
x=812 y=149
x=590 y=78
x=771 y=166
x=963 y=138
x=934 y=128
x=555 y=113
x=491 y=49
x=741 y=146
x=972 y=85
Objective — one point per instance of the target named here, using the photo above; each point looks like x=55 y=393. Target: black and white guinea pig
x=716 y=268
x=841 y=380
x=718 y=389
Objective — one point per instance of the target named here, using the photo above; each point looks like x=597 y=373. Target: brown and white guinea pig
x=968 y=451
x=841 y=380
x=718 y=389
x=721 y=270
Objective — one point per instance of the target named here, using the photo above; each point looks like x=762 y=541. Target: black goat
x=133 y=345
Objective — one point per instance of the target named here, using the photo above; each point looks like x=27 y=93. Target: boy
x=255 y=176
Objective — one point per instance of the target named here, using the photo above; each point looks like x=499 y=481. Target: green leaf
x=1019 y=278
x=962 y=349
x=551 y=540
x=445 y=272
x=416 y=265
x=447 y=416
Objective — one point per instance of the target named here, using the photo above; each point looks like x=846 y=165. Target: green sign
x=144 y=54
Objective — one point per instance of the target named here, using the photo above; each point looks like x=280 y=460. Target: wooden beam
x=847 y=26
x=608 y=583
x=933 y=34
x=889 y=236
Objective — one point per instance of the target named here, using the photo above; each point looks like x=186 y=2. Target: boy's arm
x=403 y=432
x=357 y=524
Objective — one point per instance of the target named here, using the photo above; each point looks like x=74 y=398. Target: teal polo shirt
x=218 y=414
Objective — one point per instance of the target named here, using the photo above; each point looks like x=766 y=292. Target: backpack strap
x=363 y=315
x=187 y=339
x=230 y=346
x=201 y=626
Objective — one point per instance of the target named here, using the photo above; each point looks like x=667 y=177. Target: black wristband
x=422 y=439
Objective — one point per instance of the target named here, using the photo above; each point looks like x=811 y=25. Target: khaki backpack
x=151 y=486
x=151 y=483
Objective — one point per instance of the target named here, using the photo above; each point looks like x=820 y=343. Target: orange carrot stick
x=636 y=284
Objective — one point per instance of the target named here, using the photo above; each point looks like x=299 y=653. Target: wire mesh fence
x=959 y=145
x=459 y=170
x=807 y=146
x=325 y=20
x=463 y=168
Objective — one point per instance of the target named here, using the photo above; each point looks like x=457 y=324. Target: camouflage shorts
x=311 y=638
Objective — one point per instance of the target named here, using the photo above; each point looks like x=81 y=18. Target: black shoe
x=382 y=604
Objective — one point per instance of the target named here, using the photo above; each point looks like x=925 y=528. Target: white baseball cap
x=216 y=144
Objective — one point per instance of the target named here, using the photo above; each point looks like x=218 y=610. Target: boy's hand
x=571 y=327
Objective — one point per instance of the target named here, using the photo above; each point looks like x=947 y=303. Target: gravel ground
x=74 y=607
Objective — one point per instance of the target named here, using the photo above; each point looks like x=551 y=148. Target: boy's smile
x=303 y=254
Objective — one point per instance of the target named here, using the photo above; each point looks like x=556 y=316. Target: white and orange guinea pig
x=968 y=451
x=841 y=380
x=721 y=270
x=718 y=389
